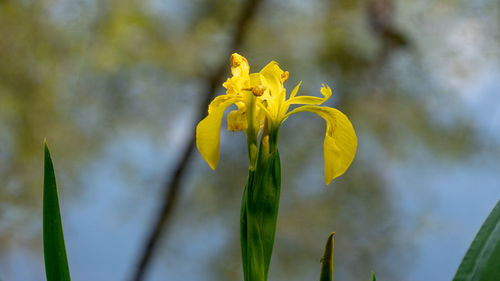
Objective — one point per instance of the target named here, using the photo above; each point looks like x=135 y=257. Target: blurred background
x=116 y=87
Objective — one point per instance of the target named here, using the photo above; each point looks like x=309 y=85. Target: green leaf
x=327 y=260
x=259 y=214
x=56 y=262
x=373 y=276
x=482 y=260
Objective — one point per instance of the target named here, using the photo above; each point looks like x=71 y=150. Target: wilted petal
x=239 y=65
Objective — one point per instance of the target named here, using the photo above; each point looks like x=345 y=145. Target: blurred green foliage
x=482 y=259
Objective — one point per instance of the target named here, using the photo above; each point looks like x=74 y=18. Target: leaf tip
x=45 y=145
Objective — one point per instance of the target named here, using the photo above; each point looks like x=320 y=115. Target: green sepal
x=482 y=260
x=54 y=250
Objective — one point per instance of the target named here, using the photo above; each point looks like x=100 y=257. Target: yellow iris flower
x=263 y=106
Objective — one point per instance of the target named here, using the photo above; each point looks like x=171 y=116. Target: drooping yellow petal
x=340 y=139
x=208 y=130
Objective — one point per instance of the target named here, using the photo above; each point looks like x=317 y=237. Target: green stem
x=251 y=132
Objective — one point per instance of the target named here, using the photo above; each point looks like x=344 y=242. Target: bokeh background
x=116 y=87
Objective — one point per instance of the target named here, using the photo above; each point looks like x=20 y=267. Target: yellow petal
x=325 y=90
x=295 y=90
x=236 y=84
x=240 y=70
x=340 y=140
x=306 y=100
x=208 y=130
x=231 y=87
x=255 y=80
x=272 y=77
x=239 y=65
x=285 y=105
x=237 y=119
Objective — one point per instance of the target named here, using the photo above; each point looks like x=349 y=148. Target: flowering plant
x=262 y=108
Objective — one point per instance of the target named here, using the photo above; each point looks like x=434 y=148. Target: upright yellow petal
x=295 y=90
x=208 y=130
x=340 y=139
x=272 y=76
x=285 y=105
x=255 y=80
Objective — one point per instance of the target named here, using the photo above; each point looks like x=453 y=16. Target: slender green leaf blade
x=482 y=260
x=327 y=260
x=373 y=276
x=244 y=227
x=259 y=214
x=56 y=262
